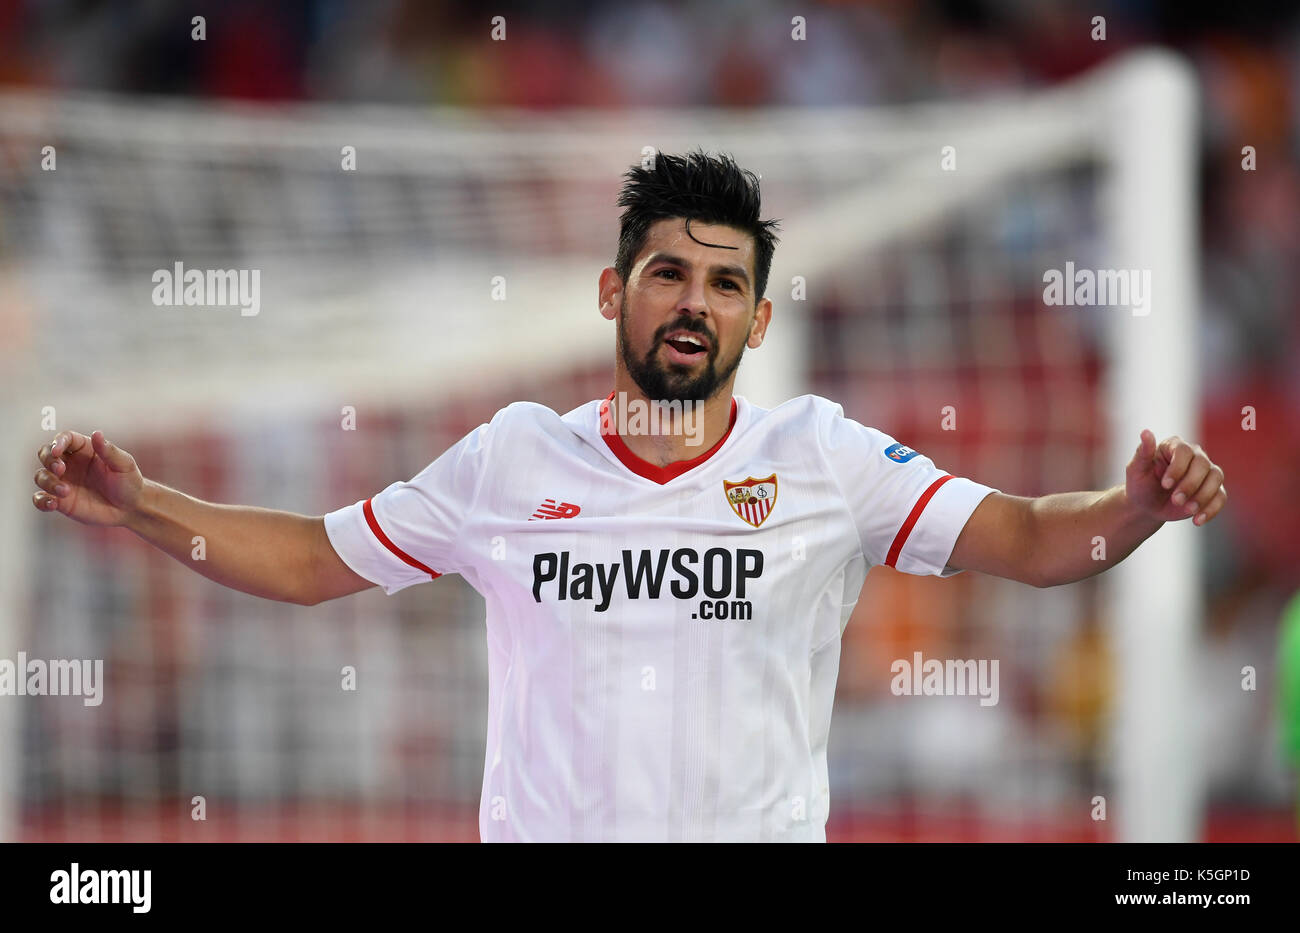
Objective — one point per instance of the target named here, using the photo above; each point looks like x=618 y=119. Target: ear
x=610 y=286
x=758 y=326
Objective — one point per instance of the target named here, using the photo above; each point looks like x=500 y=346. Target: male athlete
x=664 y=609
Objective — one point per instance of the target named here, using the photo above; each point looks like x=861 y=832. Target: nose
x=693 y=301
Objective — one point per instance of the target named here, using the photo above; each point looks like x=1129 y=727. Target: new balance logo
x=548 y=509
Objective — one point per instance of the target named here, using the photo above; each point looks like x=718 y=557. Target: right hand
x=87 y=479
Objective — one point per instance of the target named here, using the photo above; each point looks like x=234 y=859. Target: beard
x=673 y=382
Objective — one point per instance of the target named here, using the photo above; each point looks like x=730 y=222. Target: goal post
x=1156 y=602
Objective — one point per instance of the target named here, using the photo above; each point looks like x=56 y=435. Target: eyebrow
x=673 y=260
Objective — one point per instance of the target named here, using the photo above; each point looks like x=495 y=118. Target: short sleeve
x=908 y=512
x=408 y=533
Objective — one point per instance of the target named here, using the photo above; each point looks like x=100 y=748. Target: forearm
x=1066 y=528
x=258 y=551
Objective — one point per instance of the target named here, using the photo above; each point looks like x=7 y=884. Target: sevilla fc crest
x=752 y=499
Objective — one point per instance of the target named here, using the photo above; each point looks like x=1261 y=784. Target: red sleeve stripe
x=384 y=540
x=901 y=538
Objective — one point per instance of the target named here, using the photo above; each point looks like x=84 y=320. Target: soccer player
x=668 y=570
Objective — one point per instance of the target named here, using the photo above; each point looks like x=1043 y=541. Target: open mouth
x=687 y=345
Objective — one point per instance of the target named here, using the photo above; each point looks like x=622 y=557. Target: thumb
x=117 y=459
x=1146 y=449
x=1148 y=446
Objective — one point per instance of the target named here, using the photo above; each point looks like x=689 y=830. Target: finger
x=1146 y=450
x=1147 y=446
x=68 y=442
x=64 y=444
x=45 y=502
x=48 y=459
x=1214 y=508
x=51 y=483
x=1203 y=493
x=117 y=459
x=1197 y=470
x=1179 y=455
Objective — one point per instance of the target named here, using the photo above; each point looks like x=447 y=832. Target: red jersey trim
x=649 y=470
x=901 y=538
x=384 y=540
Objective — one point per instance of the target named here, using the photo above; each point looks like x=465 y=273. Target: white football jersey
x=663 y=642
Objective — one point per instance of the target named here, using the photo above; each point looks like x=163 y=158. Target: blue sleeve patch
x=900 y=453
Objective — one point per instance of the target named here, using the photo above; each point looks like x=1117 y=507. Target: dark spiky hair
x=699 y=187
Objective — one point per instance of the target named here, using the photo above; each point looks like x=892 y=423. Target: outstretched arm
x=264 y=552
x=1051 y=540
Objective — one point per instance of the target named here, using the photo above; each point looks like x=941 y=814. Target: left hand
x=1174 y=480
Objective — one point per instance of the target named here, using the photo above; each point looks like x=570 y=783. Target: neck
x=666 y=433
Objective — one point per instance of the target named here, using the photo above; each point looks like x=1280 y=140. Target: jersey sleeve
x=908 y=512
x=407 y=533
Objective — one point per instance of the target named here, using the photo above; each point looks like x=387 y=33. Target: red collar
x=659 y=474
